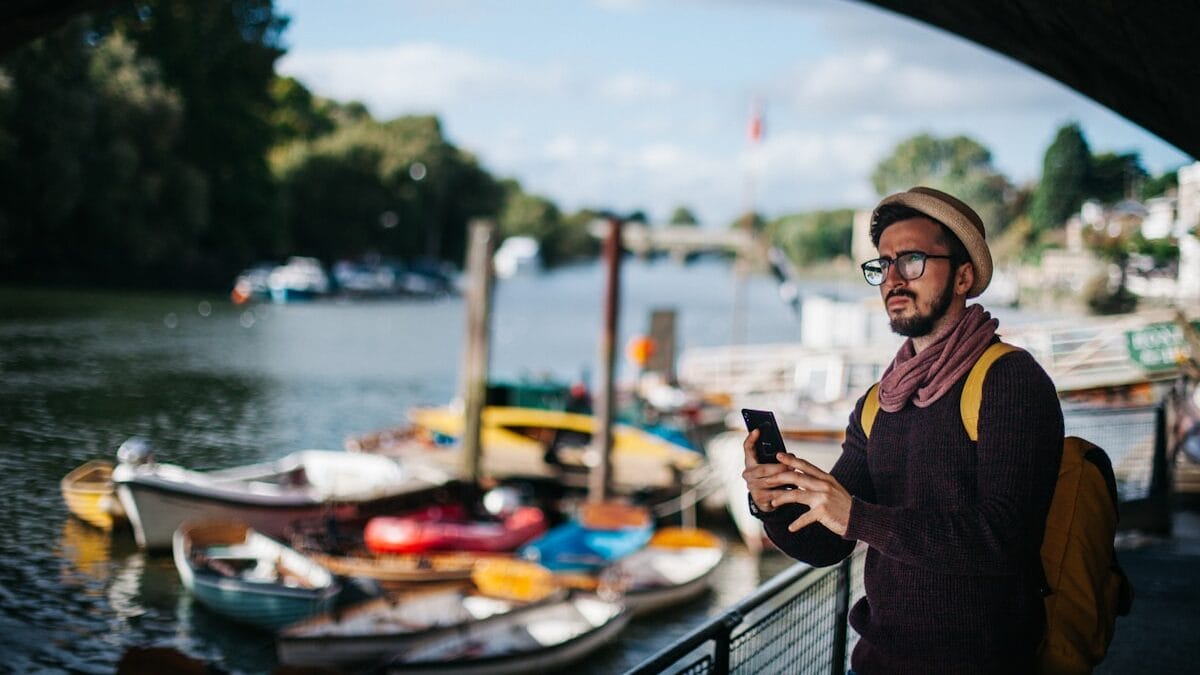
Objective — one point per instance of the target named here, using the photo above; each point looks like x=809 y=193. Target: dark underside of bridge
x=1141 y=59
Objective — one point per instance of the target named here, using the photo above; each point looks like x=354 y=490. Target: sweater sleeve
x=815 y=544
x=1017 y=458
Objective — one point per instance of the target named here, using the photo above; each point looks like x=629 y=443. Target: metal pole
x=475 y=366
x=600 y=478
x=840 y=623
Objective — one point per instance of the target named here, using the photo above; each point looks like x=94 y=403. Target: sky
x=646 y=104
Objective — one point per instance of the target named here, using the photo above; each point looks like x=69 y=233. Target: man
x=953 y=527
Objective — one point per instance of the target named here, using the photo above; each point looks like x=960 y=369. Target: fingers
x=802 y=465
x=748 y=447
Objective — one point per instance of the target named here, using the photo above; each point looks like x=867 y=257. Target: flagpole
x=741 y=263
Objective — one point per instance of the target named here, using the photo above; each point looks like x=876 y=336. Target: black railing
x=796 y=622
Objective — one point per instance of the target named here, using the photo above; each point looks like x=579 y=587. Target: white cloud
x=636 y=87
x=416 y=76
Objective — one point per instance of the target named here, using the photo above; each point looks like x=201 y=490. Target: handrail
x=720 y=628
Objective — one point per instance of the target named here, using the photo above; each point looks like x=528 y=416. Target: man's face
x=916 y=307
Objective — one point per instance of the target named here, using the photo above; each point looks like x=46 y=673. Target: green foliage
x=1156 y=186
x=958 y=165
x=297 y=114
x=1065 y=183
x=682 y=215
x=398 y=188
x=814 y=236
x=1112 y=177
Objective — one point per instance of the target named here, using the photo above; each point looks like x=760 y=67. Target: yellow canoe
x=88 y=492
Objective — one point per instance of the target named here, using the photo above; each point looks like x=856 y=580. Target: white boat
x=370 y=632
x=517 y=255
x=245 y=576
x=676 y=566
x=543 y=639
x=269 y=496
x=299 y=279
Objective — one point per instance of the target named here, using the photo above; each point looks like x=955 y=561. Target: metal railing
x=796 y=622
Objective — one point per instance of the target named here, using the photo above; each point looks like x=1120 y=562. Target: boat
x=602 y=534
x=541 y=639
x=372 y=631
x=517 y=255
x=415 y=534
x=248 y=577
x=532 y=443
x=88 y=493
x=269 y=496
x=299 y=278
x=675 y=566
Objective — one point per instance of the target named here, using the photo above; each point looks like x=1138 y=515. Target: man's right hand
x=764 y=481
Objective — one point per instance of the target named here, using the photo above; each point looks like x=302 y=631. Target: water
x=213 y=385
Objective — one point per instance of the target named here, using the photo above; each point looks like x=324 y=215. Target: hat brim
x=967 y=232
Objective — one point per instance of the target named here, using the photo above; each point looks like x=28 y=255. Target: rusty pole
x=475 y=362
x=599 y=479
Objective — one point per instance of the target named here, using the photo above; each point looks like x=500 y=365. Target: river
x=212 y=385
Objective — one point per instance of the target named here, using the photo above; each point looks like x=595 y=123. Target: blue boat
x=249 y=577
x=591 y=542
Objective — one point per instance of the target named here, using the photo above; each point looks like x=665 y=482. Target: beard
x=921 y=325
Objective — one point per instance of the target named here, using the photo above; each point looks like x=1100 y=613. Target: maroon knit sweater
x=953 y=527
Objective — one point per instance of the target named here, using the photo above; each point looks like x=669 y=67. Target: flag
x=756 y=123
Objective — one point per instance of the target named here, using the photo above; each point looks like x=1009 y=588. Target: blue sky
x=644 y=104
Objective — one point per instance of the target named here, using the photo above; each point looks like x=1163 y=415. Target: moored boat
x=248 y=577
x=522 y=442
x=544 y=638
x=269 y=496
x=372 y=631
x=674 y=567
x=409 y=534
x=88 y=493
x=601 y=535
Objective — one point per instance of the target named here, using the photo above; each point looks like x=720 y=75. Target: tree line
x=155 y=145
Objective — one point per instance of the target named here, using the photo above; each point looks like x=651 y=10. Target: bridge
x=681 y=241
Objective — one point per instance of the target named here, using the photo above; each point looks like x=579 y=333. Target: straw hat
x=954 y=214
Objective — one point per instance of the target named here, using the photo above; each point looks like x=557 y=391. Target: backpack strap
x=972 y=395
x=968 y=405
x=870 y=409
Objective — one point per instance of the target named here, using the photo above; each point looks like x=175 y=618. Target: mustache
x=901 y=292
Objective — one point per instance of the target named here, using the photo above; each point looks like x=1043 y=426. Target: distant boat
x=251 y=285
x=88 y=493
x=299 y=279
x=268 y=495
x=368 y=633
x=517 y=255
x=245 y=576
x=542 y=639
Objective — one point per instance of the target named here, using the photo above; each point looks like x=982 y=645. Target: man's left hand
x=828 y=502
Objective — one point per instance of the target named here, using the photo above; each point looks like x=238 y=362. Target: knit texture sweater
x=953 y=527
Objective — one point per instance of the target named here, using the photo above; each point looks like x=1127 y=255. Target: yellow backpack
x=1085 y=588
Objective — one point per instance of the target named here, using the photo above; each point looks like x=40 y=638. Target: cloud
x=416 y=76
x=636 y=87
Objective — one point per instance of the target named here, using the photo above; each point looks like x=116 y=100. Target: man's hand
x=764 y=481
x=828 y=502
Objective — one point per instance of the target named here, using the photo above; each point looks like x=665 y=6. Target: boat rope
x=709 y=483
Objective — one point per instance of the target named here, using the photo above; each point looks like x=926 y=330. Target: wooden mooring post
x=475 y=361
x=600 y=479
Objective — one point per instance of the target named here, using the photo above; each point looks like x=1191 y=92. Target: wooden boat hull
x=89 y=495
x=658 y=577
x=541 y=640
x=251 y=598
x=371 y=632
x=158 y=498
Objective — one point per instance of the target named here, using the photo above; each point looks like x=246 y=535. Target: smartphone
x=770 y=441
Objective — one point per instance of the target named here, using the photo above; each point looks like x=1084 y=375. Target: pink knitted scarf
x=926 y=376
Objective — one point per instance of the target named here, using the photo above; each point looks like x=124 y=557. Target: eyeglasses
x=909 y=265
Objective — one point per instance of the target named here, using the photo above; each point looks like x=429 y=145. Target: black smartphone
x=770 y=441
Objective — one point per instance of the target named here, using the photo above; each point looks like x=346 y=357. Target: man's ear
x=964 y=278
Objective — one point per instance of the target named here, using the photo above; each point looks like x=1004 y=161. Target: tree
x=297 y=114
x=1066 y=173
x=958 y=165
x=1157 y=186
x=814 y=236
x=1113 y=177
x=682 y=215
